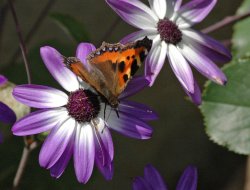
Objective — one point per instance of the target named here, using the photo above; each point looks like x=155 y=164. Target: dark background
x=179 y=137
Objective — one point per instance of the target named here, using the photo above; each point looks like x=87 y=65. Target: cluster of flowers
x=168 y=24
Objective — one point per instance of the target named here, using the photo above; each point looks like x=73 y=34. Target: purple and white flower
x=7 y=115
x=76 y=120
x=152 y=180
x=169 y=24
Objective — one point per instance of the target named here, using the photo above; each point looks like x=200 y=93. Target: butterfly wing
x=118 y=63
x=111 y=66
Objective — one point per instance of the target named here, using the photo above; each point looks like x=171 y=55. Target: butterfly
x=110 y=67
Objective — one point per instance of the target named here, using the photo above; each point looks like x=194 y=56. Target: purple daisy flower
x=152 y=180
x=7 y=115
x=169 y=24
x=77 y=123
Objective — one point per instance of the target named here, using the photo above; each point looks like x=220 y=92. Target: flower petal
x=7 y=115
x=58 y=168
x=3 y=80
x=196 y=96
x=194 y=12
x=134 y=86
x=56 y=143
x=153 y=177
x=84 y=153
x=104 y=150
x=141 y=111
x=128 y=125
x=39 y=121
x=54 y=63
x=39 y=96
x=181 y=68
x=188 y=180
x=139 y=183
x=138 y=35
x=208 y=46
x=203 y=64
x=135 y=13
x=83 y=50
x=159 y=7
x=154 y=61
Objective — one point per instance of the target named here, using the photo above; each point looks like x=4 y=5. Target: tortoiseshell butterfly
x=111 y=67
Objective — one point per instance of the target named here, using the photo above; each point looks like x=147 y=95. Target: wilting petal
x=56 y=143
x=134 y=86
x=155 y=61
x=203 y=64
x=194 y=12
x=54 y=63
x=153 y=177
x=39 y=96
x=196 y=96
x=138 y=35
x=141 y=111
x=7 y=115
x=134 y=12
x=84 y=153
x=208 y=46
x=159 y=7
x=39 y=121
x=188 y=180
x=140 y=183
x=129 y=126
x=58 y=168
x=83 y=50
x=3 y=80
x=104 y=149
x=181 y=68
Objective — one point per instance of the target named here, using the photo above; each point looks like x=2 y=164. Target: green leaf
x=71 y=26
x=226 y=110
x=241 y=39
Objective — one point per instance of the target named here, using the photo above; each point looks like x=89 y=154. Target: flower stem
x=21 y=42
x=29 y=141
x=33 y=29
x=224 y=22
x=247 y=178
x=22 y=164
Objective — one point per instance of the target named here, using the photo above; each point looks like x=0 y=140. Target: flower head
x=7 y=115
x=169 y=24
x=78 y=121
x=152 y=180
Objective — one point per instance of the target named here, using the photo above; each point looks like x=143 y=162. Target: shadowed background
x=179 y=137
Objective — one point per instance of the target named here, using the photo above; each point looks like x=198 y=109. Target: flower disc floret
x=169 y=31
x=83 y=105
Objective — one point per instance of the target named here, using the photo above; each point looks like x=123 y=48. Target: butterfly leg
x=105 y=111
x=117 y=112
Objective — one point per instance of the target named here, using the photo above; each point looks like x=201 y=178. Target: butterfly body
x=110 y=67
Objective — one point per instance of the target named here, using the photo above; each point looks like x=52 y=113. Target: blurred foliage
x=227 y=110
x=71 y=26
x=241 y=39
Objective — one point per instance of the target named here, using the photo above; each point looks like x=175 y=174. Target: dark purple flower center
x=83 y=105
x=169 y=31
